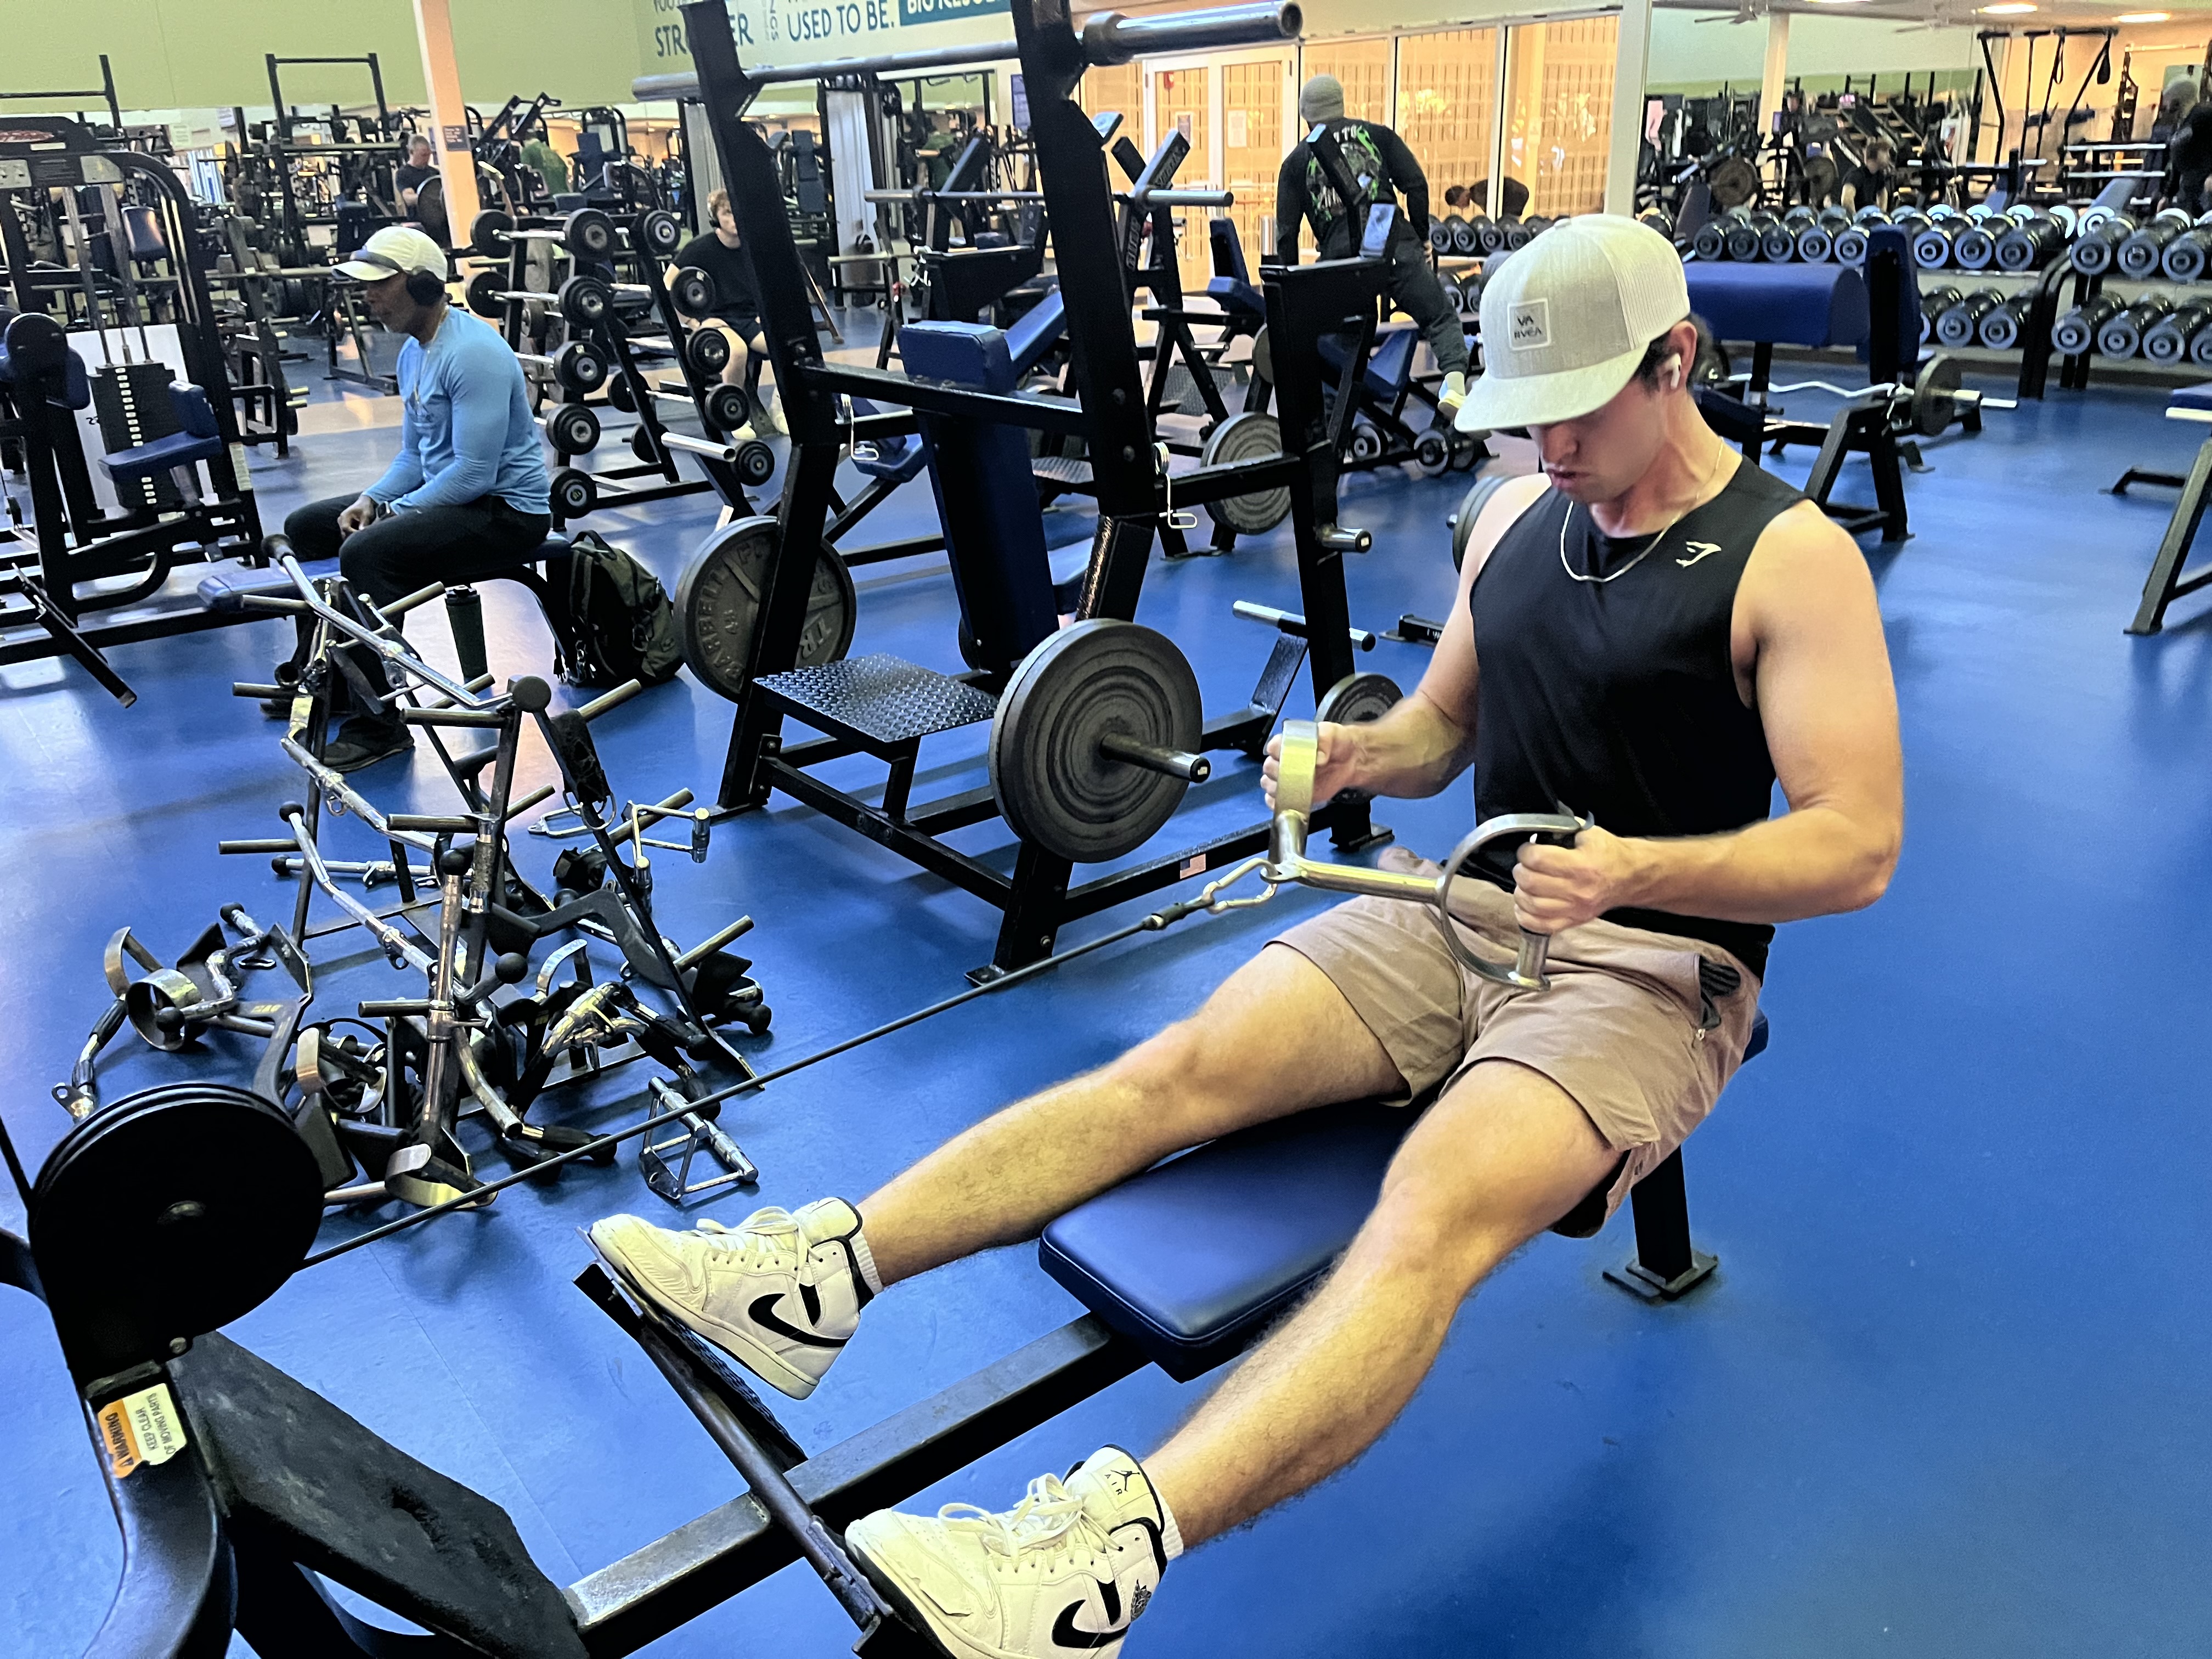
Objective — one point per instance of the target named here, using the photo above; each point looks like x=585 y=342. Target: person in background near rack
x=1386 y=169
x=1873 y=182
x=467 y=495
x=2188 y=151
x=417 y=170
x=547 y=162
x=2179 y=98
x=722 y=256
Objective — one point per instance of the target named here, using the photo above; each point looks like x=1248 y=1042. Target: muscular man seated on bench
x=467 y=493
x=1658 y=630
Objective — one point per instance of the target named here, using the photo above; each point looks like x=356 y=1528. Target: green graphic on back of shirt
x=1365 y=160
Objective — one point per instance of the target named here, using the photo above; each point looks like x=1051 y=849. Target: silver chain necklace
x=1600 y=582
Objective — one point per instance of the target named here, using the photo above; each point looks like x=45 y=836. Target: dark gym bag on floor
x=625 y=628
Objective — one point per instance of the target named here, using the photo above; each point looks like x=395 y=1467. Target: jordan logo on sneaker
x=763 y=1313
x=1065 y=1634
x=1697 y=551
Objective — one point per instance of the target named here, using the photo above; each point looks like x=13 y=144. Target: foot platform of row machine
x=878 y=702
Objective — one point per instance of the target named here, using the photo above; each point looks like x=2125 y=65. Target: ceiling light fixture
x=2143 y=17
x=2007 y=9
x=1841 y=2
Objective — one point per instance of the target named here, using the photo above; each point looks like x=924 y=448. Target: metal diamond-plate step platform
x=879 y=699
x=1061 y=469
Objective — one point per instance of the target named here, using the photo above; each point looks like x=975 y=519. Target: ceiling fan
x=1942 y=14
x=1746 y=11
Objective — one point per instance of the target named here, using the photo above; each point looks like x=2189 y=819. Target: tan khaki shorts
x=1619 y=1029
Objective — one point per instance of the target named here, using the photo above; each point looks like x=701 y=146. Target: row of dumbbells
x=1480 y=234
x=2174 y=245
x=2153 y=327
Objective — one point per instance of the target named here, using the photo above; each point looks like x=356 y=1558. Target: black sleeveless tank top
x=1618 y=699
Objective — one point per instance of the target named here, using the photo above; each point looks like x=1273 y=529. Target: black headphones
x=422 y=286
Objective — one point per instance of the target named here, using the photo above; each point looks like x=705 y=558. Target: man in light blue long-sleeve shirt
x=467 y=493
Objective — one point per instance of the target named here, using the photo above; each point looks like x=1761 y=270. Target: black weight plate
x=168 y=1214
x=1733 y=182
x=585 y=300
x=1358 y=698
x=660 y=231
x=1249 y=436
x=1933 y=407
x=618 y=394
x=1468 y=452
x=1440 y=236
x=1366 y=443
x=756 y=463
x=1466 y=237
x=1263 y=355
x=486 y=294
x=575 y=492
x=1432 y=453
x=708 y=350
x=580 y=367
x=641 y=444
x=718 y=602
x=728 y=408
x=487 y=232
x=1470 y=508
x=573 y=429
x=1053 y=786
x=692 y=291
x=589 y=234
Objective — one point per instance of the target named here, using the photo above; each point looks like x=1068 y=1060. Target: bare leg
x=1502 y=1156
x=1276 y=1038
x=733 y=372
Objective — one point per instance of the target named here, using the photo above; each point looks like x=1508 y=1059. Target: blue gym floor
x=1947 y=1396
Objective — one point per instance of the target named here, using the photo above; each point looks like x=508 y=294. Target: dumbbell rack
x=588 y=304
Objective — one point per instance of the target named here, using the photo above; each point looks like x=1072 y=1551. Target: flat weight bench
x=2168 y=580
x=1195 y=1256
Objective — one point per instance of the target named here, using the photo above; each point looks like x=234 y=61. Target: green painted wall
x=199 y=54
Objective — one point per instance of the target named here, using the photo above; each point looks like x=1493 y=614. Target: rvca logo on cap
x=1528 y=324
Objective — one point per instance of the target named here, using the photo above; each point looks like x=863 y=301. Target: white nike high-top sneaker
x=1065 y=1571
x=781 y=1292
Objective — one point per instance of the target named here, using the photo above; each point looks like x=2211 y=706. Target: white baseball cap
x=395 y=250
x=1569 y=316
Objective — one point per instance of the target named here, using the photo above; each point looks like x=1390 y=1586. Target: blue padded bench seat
x=1796 y=305
x=1390 y=362
x=1238 y=299
x=76 y=384
x=1192 y=1258
x=2191 y=396
x=200 y=441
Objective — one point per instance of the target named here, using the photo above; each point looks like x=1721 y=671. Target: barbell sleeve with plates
x=2122 y=336
x=575 y=492
x=573 y=428
x=1287 y=862
x=1999 y=329
x=2076 y=332
x=2167 y=340
x=1960 y=326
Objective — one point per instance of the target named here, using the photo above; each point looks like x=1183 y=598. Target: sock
x=863 y=1257
x=1170 y=1533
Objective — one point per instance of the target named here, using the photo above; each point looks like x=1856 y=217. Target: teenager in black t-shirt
x=1873 y=180
x=737 y=296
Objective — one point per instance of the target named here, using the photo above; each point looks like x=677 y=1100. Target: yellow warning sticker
x=141 y=1428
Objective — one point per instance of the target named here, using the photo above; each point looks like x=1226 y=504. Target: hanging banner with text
x=766 y=29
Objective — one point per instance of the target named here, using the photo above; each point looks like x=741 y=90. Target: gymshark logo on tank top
x=1697 y=551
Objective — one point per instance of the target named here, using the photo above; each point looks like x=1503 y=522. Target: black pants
x=396 y=556
x=407 y=551
x=1415 y=290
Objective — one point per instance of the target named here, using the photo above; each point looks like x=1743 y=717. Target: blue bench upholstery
x=987 y=496
x=1794 y=305
x=1036 y=331
x=899 y=459
x=200 y=441
x=76 y=384
x=1230 y=287
x=1195 y=1256
x=2191 y=396
x=1390 y=363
